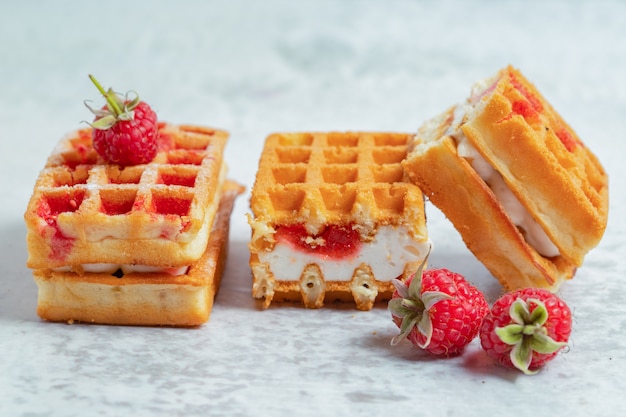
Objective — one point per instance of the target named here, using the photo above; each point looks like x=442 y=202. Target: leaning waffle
x=314 y=189
x=526 y=195
x=543 y=161
x=84 y=211
x=141 y=298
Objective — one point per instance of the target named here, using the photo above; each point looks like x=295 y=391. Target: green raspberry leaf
x=519 y=312
x=521 y=357
x=542 y=343
x=104 y=123
x=397 y=308
x=425 y=327
x=511 y=334
x=408 y=323
x=539 y=316
x=131 y=104
x=403 y=290
x=430 y=298
x=126 y=115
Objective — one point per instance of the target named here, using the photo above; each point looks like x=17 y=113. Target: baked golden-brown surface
x=139 y=245
x=544 y=163
x=350 y=181
x=142 y=298
x=507 y=147
x=85 y=211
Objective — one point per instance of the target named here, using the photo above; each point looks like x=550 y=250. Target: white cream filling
x=534 y=234
x=104 y=268
x=387 y=254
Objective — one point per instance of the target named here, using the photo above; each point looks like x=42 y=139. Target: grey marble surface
x=258 y=67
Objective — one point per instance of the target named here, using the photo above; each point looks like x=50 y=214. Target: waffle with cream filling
x=84 y=211
x=131 y=245
x=334 y=219
x=527 y=196
x=141 y=298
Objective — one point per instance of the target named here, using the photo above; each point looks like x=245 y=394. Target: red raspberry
x=526 y=328
x=438 y=311
x=125 y=132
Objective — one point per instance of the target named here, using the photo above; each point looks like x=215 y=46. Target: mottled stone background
x=258 y=67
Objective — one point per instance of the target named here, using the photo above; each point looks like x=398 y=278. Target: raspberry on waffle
x=84 y=211
x=334 y=219
x=527 y=196
x=140 y=245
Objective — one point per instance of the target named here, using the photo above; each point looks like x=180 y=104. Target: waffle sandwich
x=140 y=245
x=333 y=219
x=526 y=195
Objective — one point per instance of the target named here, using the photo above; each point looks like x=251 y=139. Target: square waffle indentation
x=117 y=201
x=192 y=141
x=340 y=155
x=61 y=200
x=72 y=159
x=390 y=199
x=290 y=174
x=338 y=199
x=295 y=139
x=165 y=203
x=340 y=174
x=293 y=155
x=177 y=175
x=128 y=175
x=389 y=155
x=391 y=139
x=185 y=157
x=342 y=139
x=81 y=151
x=388 y=173
x=69 y=177
x=286 y=198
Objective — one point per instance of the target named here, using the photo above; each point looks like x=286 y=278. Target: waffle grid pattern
x=338 y=178
x=334 y=178
x=555 y=172
x=79 y=196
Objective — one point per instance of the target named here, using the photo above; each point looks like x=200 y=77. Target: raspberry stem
x=527 y=334
x=109 y=96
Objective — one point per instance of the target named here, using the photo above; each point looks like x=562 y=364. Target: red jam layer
x=171 y=205
x=532 y=107
x=567 y=139
x=49 y=210
x=532 y=99
x=335 y=242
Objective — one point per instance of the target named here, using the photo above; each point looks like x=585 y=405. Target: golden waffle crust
x=147 y=299
x=543 y=161
x=85 y=211
x=341 y=179
x=537 y=157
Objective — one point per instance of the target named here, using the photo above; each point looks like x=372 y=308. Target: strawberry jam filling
x=525 y=109
x=532 y=99
x=567 y=139
x=49 y=210
x=177 y=179
x=532 y=107
x=171 y=205
x=53 y=205
x=334 y=242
